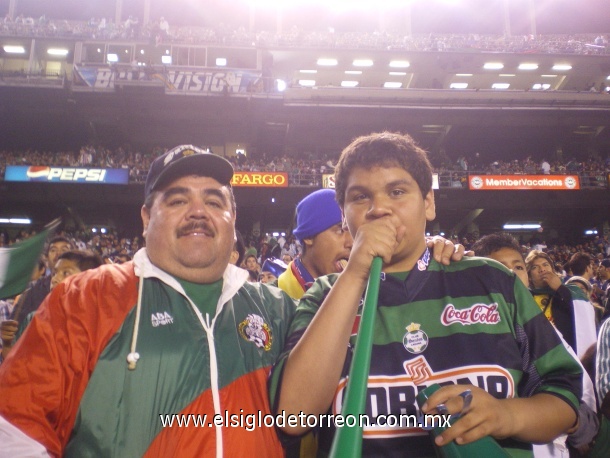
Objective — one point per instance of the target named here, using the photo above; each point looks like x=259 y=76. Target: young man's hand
x=538 y=419
x=445 y=251
x=8 y=331
x=484 y=417
x=551 y=279
x=378 y=237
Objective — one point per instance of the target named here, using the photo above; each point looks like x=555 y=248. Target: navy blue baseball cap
x=187 y=160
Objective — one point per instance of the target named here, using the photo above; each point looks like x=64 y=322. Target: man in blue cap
x=326 y=244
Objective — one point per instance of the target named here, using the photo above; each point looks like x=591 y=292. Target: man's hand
x=538 y=419
x=551 y=279
x=445 y=251
x=378 y=237
x=486 y=415
x=8 y=331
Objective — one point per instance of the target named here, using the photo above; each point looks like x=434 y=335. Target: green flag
x=18 y=260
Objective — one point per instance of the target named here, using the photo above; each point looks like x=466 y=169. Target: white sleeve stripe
x=16 y=443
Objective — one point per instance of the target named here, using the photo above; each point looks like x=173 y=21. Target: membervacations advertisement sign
x=66 y=174
x=523 y=182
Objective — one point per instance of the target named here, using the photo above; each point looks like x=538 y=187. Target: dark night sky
x=435 y=16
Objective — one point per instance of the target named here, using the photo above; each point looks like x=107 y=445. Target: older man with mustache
x=119 y=354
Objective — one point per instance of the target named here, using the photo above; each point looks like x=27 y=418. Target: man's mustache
x=199 y=226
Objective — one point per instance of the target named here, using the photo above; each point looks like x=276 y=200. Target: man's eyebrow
x=173 y=191
x=217 y=193
x=402 y=181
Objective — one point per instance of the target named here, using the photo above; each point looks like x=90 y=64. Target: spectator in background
x=253 y=267
x=564 y=306
x=68 y=263
x=31 y=299
x=271 y=270
x=505 y=249
x=326 y=243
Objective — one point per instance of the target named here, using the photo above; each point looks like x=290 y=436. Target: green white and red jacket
x=66 y=390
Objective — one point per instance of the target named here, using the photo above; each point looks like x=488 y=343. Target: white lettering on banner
x=478 y=313
x=175 y=80
x=104 y=78
x=523 y=182
x=71 y=174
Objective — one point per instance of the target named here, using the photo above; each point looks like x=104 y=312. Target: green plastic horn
x=348 y=439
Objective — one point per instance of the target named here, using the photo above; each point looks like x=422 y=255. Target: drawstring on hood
x=134 y=356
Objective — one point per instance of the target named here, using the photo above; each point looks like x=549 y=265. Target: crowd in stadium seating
x=305 y=169
x=111 y=244
x=159 y=31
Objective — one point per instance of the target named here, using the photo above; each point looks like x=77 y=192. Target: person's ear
x=145 y=214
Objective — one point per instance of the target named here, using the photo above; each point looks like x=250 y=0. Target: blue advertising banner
x=66 y=174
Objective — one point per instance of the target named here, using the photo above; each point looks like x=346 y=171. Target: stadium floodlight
x=541 y=86
x=349 y=83
x=57 y=52
x=591 y=232
x=458 y=86
x=281 y=85
x=362 y=63
x=500 y=86
x=221 y=61
x=353 y=72
x=392 y=85
x=562 y=67
x=327 y=62
x=167 y=60
x=308 y=71
x=307 y=83
x=16 y=220
x=528 y=66
x=398 y=73
x=10 y=49
x=463 y=74
x=112 y=57
x=400 y=64
x=493 y=66
x=521 y=227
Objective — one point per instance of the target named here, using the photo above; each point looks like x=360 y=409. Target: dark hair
x=495 y=242
x=579 y=263
x=535 y=254
x=84 y=259
x=385 y=149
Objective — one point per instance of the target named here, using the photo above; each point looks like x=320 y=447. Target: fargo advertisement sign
x=66 y=174
x=260 y=179
x=519 y=182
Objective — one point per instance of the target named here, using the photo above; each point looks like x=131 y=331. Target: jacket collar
x=233 y=277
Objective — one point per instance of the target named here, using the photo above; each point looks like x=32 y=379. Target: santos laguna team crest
x=415 y=340
x=254 y=329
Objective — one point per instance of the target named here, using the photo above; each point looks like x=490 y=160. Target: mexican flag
x=18 y=260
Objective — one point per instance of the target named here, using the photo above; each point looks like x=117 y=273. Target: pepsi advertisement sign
x=43 y=173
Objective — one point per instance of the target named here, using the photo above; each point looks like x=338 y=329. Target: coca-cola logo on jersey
x=476 y=314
